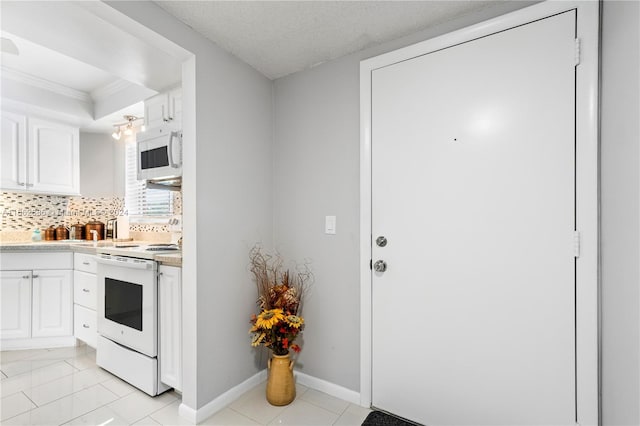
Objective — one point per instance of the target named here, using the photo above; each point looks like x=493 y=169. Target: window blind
x=140 y=201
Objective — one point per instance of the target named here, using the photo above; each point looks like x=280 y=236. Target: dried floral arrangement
x=280 y=297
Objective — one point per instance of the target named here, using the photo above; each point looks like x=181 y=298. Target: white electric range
x=127 y=277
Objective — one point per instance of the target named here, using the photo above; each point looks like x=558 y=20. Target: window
x=140 y=202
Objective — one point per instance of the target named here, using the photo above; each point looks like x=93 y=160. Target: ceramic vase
x=281 y=389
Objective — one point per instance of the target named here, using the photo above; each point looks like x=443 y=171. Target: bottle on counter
x=36 y=235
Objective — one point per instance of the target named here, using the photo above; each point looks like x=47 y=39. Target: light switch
x=330 y=225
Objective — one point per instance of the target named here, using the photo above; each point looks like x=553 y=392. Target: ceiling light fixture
x=128 y=127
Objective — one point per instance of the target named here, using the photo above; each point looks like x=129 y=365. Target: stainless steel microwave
x=159 y=153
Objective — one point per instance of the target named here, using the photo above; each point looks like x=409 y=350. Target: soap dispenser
x=35 y=235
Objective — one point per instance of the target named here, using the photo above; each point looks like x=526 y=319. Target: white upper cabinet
x=156 y=110
x=175 y=107
x=54 y=158
x=39 y=155
x=163 y=109
x=13 y=160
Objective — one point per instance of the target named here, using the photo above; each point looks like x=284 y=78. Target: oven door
x=127 y=302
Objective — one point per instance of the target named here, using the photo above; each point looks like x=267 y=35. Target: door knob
x=380 y=266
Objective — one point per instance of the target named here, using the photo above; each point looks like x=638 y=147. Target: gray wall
x=227 y=204
x=620 y=154
x=97 y=165
x=316 y=173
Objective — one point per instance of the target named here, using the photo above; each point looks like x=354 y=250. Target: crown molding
x=110 y=89
x=31 y=80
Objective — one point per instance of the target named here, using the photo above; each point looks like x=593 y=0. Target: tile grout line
x=32 y=401
x=242 y=414
x=26 y=357
x=71 y=394
x=40 y=384
x=324 y=408
x=72 y=366
x=29 y=371
x=154 y=412
x=24 y=412
x=81 y=390
x=97 y=408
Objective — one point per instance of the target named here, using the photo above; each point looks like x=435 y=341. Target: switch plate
x=330 y=225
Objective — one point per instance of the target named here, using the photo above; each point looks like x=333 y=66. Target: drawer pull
x=86 y=290
x=86 y=263
x=36 y=276
x=85 y=326
x=26 y=276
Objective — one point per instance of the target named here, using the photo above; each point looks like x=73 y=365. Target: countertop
x=88 y=247
x=173 y=259
x=53 y=245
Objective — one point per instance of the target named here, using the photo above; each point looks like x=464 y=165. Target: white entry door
x=473 y=162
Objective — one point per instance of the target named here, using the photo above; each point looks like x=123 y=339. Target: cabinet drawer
x=85 y=262
x=84 y=325
x=24 y=261
x=85 y=289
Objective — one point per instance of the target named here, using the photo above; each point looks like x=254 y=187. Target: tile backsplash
x=25 y=212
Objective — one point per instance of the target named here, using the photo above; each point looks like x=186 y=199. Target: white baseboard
x=196 y=416
x=328 y=388
x=37 y=343
x=187 y=413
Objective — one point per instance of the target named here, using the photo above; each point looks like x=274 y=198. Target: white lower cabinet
x=37 y=301
x=170 y=326
x=15 y=304
x=85 y=298
x=52 y=303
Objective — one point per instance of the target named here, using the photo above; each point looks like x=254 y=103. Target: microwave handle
x=172 y=162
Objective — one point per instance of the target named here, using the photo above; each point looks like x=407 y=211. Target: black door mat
x=378 y=418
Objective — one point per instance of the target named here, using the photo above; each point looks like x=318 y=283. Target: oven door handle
x=124 y=263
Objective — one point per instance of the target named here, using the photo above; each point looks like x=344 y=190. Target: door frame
x=587 y=188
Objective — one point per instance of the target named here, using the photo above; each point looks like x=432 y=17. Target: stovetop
x=140 y=251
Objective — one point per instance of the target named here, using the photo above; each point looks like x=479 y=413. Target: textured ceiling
x=281 y=37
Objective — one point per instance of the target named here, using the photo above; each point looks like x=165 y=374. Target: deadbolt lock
x=381 y=241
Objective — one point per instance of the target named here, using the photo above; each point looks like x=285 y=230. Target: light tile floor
x=65 y=387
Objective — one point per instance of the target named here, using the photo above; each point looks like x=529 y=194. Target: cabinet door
x=52 y=303
x=13 y=150
x=156 y=111
x=54 y=159
x=175 y=108
x=15 y=304
x=170 y=300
